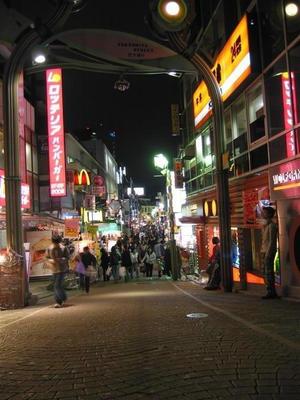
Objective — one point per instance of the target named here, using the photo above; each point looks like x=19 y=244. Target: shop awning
x=193 y=220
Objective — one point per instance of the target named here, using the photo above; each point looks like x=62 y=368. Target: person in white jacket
x=149 y=259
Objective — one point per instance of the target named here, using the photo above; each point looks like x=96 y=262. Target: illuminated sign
x=82 y=178
x=56 y=137
x=288 y=111
x=285 y=180
x=231 y=68
x=25 y=192
x=178 y=173
x=138 y=191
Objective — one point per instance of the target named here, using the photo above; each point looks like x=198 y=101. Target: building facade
x=255 y=54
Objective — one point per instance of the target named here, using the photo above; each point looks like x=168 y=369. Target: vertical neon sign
x=56 y=137
x=288 y=112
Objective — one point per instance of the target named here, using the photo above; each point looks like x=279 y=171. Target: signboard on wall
x=178 y=173
x=288 y=87
x=285 y=180
x=231 y=68
x=72 y=227
x=56 y=136
x=25 y=193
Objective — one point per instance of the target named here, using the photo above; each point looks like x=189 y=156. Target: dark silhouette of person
x=268 y=251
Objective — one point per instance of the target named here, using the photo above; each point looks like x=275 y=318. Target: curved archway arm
x=221 y=174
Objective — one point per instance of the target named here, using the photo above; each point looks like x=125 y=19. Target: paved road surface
x=133 y=341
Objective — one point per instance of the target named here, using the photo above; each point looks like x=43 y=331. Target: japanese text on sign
x=56 y=139
x=231 y=68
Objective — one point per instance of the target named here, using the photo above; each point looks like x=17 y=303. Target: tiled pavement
x=133 y=341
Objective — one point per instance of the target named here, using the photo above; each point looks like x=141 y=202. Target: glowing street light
x=170 y=14
x=161 y=162
x=291 y=9
x=39 y=55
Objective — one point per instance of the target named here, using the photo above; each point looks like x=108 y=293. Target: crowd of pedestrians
x=143 y=254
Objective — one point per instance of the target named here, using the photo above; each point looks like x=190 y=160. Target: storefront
x=285 y=190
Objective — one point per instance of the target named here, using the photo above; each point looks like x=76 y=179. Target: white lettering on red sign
x=56 y=135
x=288 y=114
x=25 y=192
x=286 y=177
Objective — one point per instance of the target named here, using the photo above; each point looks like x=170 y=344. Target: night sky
x=140 y=117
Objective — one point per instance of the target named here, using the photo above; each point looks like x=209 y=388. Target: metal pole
x=221 y=174
x=172 y=241
x=14 y=228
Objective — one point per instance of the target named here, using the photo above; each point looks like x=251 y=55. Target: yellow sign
x=83 y=178
x=214 y=208
x=231 y=68
x=206 y=208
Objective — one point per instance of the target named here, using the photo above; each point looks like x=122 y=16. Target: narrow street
x=134 y=341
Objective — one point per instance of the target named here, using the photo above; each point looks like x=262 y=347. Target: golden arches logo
x=81 y=180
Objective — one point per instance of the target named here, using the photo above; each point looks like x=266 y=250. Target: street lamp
x=291 y=9
x=161 y=163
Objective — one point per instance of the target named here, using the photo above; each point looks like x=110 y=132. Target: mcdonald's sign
x=82 y=178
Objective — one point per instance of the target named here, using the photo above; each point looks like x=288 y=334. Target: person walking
x=214 y=266
x=127 y=263
x=104 y=263
x=87 y=259
x=57 y=256
x=149 y=260
x=268 y=251
x=115 y=261
x=134 y=255
x=80 y=270
x=159 y=252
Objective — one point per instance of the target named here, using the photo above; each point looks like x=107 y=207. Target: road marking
x=26 y=316
x=248 y=324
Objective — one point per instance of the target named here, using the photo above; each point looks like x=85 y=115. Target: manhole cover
x=197 y=315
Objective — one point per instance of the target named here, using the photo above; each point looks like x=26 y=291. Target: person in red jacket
x=213 y=268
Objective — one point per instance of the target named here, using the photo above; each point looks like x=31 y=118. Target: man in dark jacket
x=87 y=259
x=268 y=251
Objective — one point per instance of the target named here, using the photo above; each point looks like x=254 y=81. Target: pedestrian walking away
x=115 y=262
x=57 y=257
x=88 y=259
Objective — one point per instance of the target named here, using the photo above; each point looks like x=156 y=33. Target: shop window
x=22 y=155
x=241 y=165
x=240 y=144
x=259 y=157
x=292 y=22
x=28 y=134
x=228 y=132
x=34 y=160
x=208 y=179
x=275 y=97
x=239 y=118
x=294 y=56
x=271 y=17
x=257 y=129
x=256 y=114
x=28 y=157
x=207 y=157
x=277 y=149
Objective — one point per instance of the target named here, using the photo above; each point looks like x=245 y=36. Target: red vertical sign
x=288 y=113
x=56 y=137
